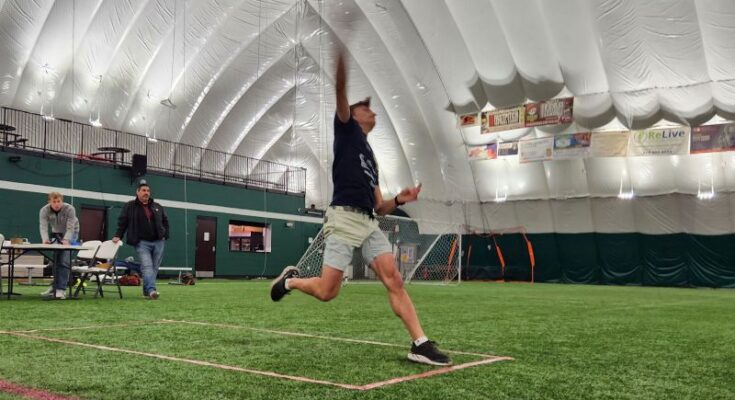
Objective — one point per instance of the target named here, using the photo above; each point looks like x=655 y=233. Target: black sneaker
x=428 y=353
x=278 y=287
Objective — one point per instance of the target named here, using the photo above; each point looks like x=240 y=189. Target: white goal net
x=420 y=257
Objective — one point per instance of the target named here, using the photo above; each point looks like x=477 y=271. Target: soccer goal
x=420 y=256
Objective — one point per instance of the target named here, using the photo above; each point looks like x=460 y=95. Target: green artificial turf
x=568 y=341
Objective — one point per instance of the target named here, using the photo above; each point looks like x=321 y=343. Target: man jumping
x=350 y=222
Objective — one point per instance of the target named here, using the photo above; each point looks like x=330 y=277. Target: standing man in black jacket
x=147 y=227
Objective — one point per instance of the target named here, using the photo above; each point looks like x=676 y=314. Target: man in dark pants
x=147 y=229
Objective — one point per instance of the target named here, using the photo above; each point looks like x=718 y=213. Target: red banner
x=551 y=112
x=711 y=138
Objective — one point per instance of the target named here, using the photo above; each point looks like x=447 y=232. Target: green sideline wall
x=19 y=216
x=683 y=260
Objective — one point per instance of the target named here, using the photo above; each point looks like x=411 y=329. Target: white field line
x=433 y=372
x=184 y=360
x=308 y=335
x=486 y=358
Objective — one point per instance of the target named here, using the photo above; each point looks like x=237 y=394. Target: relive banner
x=507 y=149
x=574 y=145
x=486 y=152
x=609 y=144
x=502 y=120
x=550 y=112
x=659 y=142
x=712 y=138
x=535 y=150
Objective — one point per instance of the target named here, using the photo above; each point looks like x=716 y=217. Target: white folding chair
x=107 y=252
x=87 y=255
x=84 y=260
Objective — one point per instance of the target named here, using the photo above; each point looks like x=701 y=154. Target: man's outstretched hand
x=408 y=195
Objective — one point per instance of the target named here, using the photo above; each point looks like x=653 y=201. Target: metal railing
x=82 y=141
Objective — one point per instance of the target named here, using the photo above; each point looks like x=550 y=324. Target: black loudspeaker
x=140 y=165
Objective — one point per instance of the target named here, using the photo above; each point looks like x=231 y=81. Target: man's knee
x=394 y=282
x=327 y=290
x=326 y=295
x=388 y=272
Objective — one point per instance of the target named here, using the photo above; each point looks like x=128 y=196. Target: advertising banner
x=486 y=152
x=659 y=142
x=609 y=144
x=551 y=112
x=712 y=138
x=506 y=149
x=502 y=120
x=469 y=120
x=535 y=150
x=573 y=145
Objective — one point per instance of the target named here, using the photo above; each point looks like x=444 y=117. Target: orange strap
x=451 y=257
x=500 y=255
x=531 y=256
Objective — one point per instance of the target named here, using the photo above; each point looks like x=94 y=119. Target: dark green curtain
x=619 y=259
x=711 y=260
x=664 y=260
x=578 y=258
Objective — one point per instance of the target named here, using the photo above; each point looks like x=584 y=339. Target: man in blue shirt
x=350 y=223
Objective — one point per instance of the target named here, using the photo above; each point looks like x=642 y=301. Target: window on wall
x=250 y=237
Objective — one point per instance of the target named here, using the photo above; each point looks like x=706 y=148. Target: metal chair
x=106 y=251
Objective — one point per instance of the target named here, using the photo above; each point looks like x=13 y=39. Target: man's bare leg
x=385 y=267
x=423 y=350
x=325 y=288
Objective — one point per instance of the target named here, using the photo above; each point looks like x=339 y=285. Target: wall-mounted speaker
x=140 y=165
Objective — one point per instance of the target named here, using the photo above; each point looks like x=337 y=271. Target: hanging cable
x=73 y=38
x=322 y=110
x=186 y=199
x=265 y=197
x=186 y=224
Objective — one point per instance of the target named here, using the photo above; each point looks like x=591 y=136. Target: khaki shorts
x=346 y=230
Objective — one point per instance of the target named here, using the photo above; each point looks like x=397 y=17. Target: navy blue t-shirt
x=354 y=171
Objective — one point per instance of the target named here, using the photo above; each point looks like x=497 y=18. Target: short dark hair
x=365 y=102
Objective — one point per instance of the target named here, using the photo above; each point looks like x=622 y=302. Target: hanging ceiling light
x=94 y=114
x=707 y=194
x=47 y=110
x=625 y=194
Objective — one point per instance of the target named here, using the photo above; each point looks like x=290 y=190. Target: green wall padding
x=288 y=244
